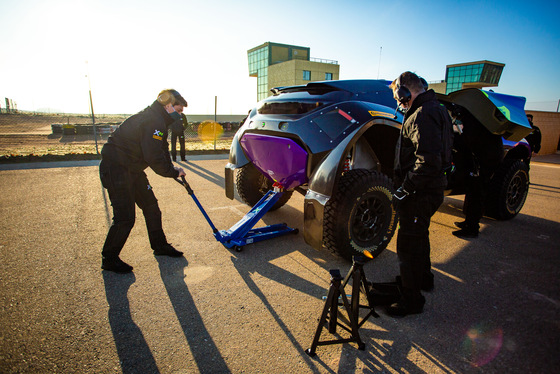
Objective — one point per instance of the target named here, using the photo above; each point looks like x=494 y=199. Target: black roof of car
x=371 y=90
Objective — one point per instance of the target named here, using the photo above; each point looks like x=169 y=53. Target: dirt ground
x=28 y=138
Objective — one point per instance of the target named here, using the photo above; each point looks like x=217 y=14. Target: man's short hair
x=179 y=100
x=166 y=97
x=409 y=80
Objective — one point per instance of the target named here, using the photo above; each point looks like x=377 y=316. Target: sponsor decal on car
x=375 y=113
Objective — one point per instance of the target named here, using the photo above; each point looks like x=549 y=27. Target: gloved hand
x=400 y=194
x=181 y=172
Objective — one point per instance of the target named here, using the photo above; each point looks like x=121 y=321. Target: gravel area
x=30 y=138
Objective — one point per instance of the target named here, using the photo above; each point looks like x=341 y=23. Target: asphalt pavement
x=495 y=307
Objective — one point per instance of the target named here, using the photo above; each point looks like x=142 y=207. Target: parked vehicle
x=334 y=142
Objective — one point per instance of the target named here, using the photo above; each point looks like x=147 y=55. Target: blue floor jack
x=243 y=233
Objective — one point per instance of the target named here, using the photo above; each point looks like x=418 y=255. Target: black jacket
x=141 y=141
x=423 y=151
x=177 y=127
x=486 y=149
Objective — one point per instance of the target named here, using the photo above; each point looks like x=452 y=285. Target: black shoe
x=380 y=298
x=427 y=282
x=466 y=233
x=115 y=265
x=167 y=250
x=461 y=224
x=404 y=307
x=382 y=293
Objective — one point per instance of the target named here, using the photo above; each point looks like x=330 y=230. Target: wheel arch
x=237 y=159
x=373 y=147
x=517 y=151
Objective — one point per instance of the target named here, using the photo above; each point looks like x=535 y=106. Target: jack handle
x=184 y=183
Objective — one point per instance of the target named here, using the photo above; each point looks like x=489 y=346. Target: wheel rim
x=515 y=192
x=368 y=220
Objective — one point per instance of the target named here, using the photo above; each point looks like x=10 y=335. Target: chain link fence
x=25 y=134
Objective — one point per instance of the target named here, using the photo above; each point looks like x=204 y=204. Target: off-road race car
x=334 y=142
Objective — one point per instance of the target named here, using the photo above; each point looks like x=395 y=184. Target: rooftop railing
x=324 y=61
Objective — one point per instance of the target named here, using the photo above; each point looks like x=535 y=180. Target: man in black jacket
x=139 y=142
x=483 y=154
x=422 y=155
x=178 y=130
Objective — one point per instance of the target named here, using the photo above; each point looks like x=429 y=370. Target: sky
x=53 y=52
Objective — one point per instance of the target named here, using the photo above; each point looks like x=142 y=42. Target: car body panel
x=280 y=159
x=501 y=114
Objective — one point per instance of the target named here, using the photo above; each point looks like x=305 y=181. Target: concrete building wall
x=282 y=74
x=549 y=124
x=440 y=87
x=290 y=73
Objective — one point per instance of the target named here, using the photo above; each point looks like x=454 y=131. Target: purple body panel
x=281 y=159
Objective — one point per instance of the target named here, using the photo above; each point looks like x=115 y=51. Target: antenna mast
x=379 y=65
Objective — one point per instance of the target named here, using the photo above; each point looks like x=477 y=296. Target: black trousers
x=126 y=190
x=476 y=188
x=181 y=138
x=413 y=239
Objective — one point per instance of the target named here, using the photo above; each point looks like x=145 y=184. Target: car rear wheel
x=252 y=185
x=360 y=217
x=508 y=190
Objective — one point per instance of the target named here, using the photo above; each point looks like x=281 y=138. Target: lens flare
x=482 y=343
x=209 y=131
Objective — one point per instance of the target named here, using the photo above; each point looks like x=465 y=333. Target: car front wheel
x=252 y=185
x=359 y=217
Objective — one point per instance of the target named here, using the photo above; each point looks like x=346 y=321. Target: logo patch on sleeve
x=158 y=135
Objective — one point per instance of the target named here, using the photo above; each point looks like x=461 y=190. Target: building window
x=306 y=75
x=328 y=76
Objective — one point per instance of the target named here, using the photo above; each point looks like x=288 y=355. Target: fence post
x=92 y=113
x=215 y=119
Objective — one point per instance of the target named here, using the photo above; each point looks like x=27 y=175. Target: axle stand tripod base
x=330 y=312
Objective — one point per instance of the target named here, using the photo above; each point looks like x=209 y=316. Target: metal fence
x=23 y=134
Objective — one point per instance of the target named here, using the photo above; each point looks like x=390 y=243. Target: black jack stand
x=330 y=311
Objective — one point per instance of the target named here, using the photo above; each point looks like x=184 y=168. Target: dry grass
x=26 y=138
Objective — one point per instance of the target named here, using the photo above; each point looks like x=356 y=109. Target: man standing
x=483 y=154
x=534 y=138
x=178 y=129
x=139 y=142
x=422 y=155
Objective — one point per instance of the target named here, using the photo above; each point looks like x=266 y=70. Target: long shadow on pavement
x=133 y=351
x=201 y=344
x=203 y=172
x=282 y=276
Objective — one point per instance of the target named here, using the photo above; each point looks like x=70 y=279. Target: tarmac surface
x=495 y=307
